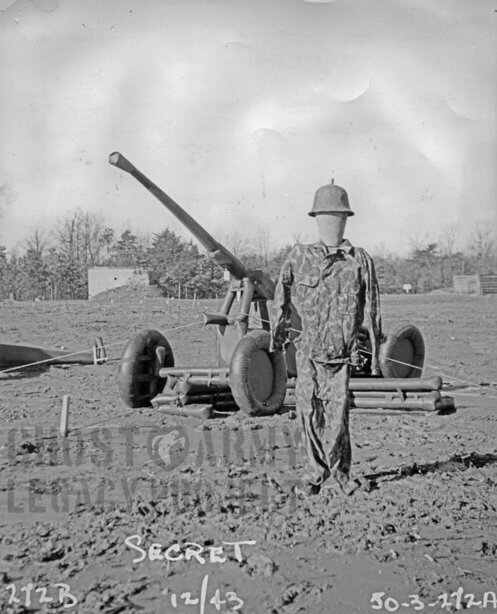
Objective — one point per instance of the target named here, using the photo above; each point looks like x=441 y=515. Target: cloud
x=241 y=110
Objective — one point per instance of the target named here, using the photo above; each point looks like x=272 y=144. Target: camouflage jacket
x=335 y=292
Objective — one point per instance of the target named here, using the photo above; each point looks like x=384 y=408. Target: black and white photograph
x=248 y=298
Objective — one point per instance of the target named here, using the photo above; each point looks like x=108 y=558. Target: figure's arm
x=281 y=307
x=372 y=313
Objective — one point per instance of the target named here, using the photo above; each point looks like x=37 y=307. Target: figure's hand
x=357 y=360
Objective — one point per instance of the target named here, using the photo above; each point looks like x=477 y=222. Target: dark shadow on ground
x=454 y=463
x=23 y=372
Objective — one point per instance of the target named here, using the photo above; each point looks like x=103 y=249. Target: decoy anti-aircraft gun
x=247 y=374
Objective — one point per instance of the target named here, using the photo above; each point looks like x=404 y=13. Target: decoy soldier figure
x=334 y=289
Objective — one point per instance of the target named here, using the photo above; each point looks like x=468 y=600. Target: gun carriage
x=249 y=375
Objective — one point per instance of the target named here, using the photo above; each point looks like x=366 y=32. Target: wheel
x=402 y=354
x=138 y=378
x=257 y=377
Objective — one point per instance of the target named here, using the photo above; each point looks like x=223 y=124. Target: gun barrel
x=220 y=254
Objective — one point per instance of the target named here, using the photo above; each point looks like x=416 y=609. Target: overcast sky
x=241 y=109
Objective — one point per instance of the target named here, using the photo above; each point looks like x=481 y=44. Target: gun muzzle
x=121 y=162
x=217 y=252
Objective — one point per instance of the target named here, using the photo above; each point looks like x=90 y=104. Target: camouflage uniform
x=335 y=292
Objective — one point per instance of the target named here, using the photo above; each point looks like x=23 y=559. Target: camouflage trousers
x=321 y=397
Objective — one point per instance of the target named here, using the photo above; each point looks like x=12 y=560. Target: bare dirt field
x=79 y=517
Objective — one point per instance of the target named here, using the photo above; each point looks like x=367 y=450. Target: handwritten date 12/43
x=230 y=599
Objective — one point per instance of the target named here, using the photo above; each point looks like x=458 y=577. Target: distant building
x=488 y=284
x=104 y=278
x=475 y=284
x=466 y=284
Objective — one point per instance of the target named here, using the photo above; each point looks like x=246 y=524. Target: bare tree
x=263 y=243
x=68 y=234
x=482 y=242
x=382 y=250
x=446 y=242
x=82 y=237
x=235 y=242
x=94 y=238
x=417 y=242
x=37 y=241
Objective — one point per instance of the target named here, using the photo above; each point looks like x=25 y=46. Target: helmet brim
x=314 y=213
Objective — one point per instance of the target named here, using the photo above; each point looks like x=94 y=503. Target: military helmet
x=330 y=198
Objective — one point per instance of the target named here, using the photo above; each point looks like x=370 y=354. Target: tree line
x=55 y=266
x=432 y=265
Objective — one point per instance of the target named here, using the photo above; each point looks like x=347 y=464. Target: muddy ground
x=420 y=533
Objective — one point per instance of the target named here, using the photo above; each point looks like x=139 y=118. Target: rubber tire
x=139 y=360
x=246 y=396
x=406 y=344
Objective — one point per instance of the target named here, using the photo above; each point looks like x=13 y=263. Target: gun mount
x=247 y=372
